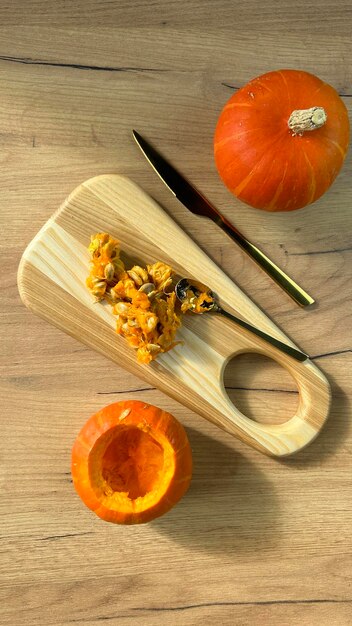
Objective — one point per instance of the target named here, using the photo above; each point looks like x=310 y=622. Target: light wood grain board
x=51 y=281
x=255 y=541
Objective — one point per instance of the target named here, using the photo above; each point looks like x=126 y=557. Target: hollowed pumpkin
x=131 y=462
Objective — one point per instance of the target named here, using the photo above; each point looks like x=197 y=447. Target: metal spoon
x=185 y=286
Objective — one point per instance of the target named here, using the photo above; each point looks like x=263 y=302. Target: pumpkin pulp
x=129 y=468
x=132 y=462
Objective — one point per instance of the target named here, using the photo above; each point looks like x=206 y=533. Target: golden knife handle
x=288 y=284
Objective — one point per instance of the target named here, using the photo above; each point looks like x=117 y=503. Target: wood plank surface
x=255 y=540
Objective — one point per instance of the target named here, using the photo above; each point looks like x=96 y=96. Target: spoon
x=199 y=299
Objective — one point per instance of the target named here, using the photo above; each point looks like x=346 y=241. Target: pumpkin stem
x=306 y=119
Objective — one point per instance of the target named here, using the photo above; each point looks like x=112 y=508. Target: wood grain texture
x=51 y=281
x=255 y=541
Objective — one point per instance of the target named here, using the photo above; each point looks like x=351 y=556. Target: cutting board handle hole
x=261 y=389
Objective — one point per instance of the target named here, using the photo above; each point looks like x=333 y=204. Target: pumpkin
x=281 y=140
x=131 y=462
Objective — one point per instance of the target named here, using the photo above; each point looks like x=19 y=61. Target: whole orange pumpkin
x=281 y=140
x=131 y=462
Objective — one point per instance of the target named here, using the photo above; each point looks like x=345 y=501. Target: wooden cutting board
x=51 y=282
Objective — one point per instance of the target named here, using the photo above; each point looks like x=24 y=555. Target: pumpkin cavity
x=132 y=462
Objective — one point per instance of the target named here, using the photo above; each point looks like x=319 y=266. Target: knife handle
x=288 y=284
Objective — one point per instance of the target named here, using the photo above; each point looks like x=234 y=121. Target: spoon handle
x=296 y=354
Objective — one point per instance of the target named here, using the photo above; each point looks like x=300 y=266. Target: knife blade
x=198 y=204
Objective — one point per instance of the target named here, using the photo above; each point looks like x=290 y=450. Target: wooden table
x=255 y=540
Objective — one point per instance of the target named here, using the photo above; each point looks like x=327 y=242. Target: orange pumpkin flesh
x=131 y=462
x=263 y=161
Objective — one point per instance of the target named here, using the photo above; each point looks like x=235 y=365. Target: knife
x=195 y=202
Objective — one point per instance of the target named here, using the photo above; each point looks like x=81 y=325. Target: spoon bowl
x=199 y=298
x=192 y=293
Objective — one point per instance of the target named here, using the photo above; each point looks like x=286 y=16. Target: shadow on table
x=332 y=436
x=251 y=368
x=230 y=508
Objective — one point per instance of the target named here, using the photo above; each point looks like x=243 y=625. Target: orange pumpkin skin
x=261 y=160
x=131 y=446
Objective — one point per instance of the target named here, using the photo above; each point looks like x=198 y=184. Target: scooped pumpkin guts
x=145 y=308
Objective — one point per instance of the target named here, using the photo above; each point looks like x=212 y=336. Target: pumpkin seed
x=138 y=274
x=112 y=294
x=109 y=271
x=124 y=414
x=97 y=280
x=147 y=288
x=153 y=348
x=122 y=308
x=152 y=322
